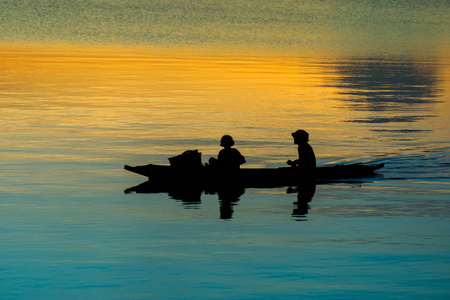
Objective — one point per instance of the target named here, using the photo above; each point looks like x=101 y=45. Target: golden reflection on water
x=63 y=102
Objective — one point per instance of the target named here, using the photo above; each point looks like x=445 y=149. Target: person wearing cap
x=306 y=159
x=229 y=158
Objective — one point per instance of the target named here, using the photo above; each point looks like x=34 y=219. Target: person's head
x=226 y=141
x=300 y=136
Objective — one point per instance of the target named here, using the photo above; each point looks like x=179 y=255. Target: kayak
x=250 y=177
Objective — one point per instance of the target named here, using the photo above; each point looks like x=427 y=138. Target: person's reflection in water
x=305 y=193
x=228 y=197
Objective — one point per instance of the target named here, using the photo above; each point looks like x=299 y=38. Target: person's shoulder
x=235 y=150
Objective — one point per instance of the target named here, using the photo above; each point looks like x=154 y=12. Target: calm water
x=88 y=86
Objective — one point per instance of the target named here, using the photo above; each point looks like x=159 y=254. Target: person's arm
x=241 y=157
x=243 y=161
x=292 y=163
x=295 y=163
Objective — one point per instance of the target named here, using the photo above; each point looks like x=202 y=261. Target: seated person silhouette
x=229 y=159
x=306 y=159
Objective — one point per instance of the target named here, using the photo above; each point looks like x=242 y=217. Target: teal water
x=369 y=80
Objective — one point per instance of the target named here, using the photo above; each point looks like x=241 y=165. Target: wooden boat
x=249 y=177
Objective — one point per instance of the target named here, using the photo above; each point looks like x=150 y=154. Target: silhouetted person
x=306 y=159
x=229 y=158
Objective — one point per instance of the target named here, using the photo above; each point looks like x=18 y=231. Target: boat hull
x=250 y=177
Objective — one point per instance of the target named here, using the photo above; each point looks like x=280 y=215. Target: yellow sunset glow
x=148 y=93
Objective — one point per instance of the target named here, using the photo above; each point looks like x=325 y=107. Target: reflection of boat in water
x=189 y=183
x=228 y=195
x=248 y=177
x=190 y=194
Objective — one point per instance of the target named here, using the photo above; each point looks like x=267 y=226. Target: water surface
x=88 y=86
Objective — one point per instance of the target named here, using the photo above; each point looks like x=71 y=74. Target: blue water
x=88 y=86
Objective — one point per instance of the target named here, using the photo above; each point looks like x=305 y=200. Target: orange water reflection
x=69 y=102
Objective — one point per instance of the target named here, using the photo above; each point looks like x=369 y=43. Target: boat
x=249 y=177
x=186 y=179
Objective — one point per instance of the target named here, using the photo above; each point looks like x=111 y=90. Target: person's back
x=228 y=158
x=306 y=157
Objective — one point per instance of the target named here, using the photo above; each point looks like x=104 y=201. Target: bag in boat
x=190 y=159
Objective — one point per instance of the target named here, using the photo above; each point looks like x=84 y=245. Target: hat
x=301 y=134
